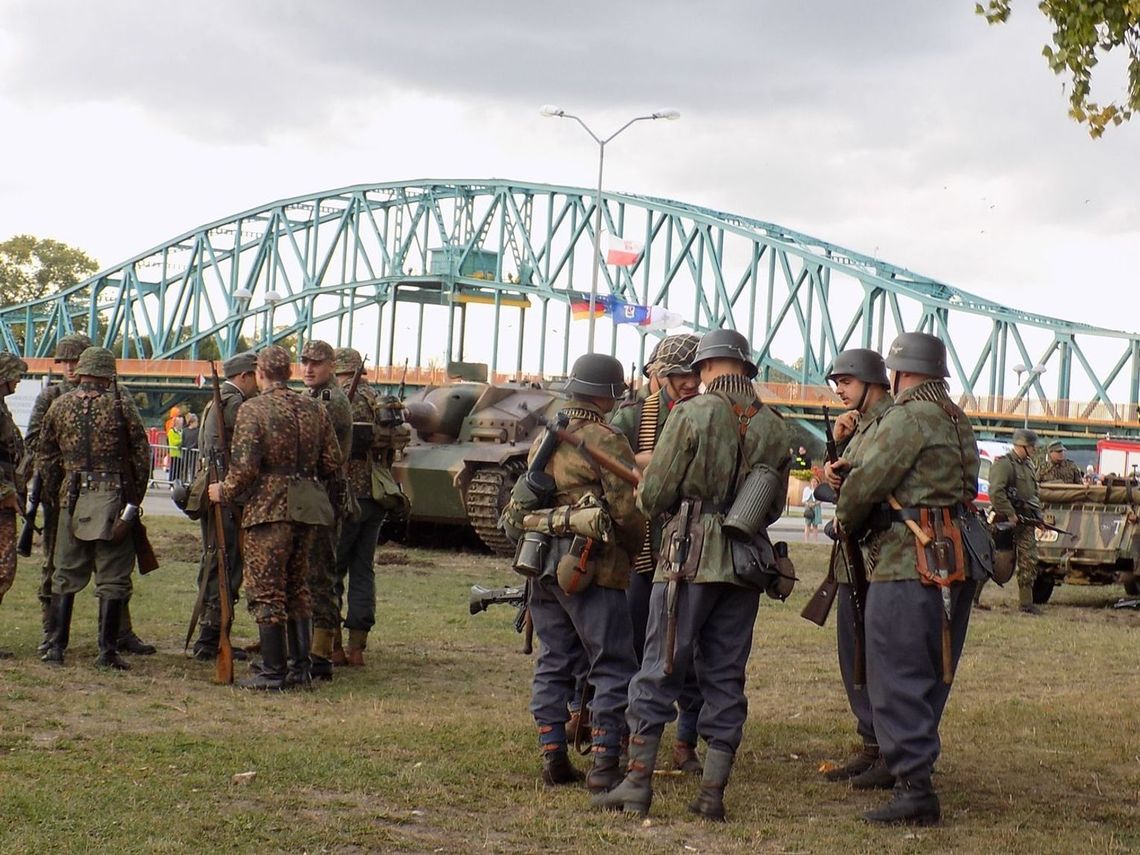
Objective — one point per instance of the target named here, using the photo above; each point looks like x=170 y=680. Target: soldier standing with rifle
x=708 y=444
x=577 y=598
x=317 y=364
x=283 y=446
x=239 y=386
x=378 y=432
x=908 y=496
x=860 y=379
x=93 y=454
x=1012 y=481
x=67 y=352
x=671 y=372
x=12 y=488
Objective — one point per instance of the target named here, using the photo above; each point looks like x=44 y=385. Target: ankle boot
x=914 y=803
x=685 y=757
x=321 y=654
x=1025 y=600
x=357 y=641
x=110 y=614
x=128 y=642
x=270 y=676
x=557 y=768
x=876 y=777
x=709 y=802
x=299 y=632
x=50 y=610
x=64 y=605
x=635 y=793
x=857 y=765
x=338 y=658
x=605 y=772
x=206 y=647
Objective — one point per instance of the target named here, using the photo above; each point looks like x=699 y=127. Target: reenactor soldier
x=672 y=380
x=1012 y=483
x=12 y=487
x=81 y=460
x=378 y=433
x=709 y=441
x=1058 y=469
x=860 y=379
x=573 y=614
x=317 y=365
x=283 y=446
x=239 y=386
x=67 y=352
x=917 y=472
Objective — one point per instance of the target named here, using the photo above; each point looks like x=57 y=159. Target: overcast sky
x=905 y=129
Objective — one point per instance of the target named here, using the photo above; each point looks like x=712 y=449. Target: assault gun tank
x=1105 y=546
x=460 y=465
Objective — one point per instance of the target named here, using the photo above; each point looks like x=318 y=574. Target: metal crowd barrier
x=164 y=467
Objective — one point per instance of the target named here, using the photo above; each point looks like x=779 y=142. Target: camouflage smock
x=340 y=413
x=370 y=475
x=852 y=452
x=696 y=456
x=576 y=476
x=11 y=453
x=919 y=455
x=1065 y=472
x=1008 y=471
x=285 y=432
x=80 y=433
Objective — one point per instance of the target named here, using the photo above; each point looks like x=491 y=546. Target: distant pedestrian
x=813 y=512
x=174 y=442
x=801 y=462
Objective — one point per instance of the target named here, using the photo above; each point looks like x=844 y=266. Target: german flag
x=580 y=309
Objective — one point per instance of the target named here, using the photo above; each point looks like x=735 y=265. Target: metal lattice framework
x=340 y=264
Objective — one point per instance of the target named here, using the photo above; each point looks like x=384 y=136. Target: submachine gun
x=35 y=495
x=481 y=598
x=1029 y=513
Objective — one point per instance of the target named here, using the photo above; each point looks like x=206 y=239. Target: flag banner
x=623 y=253
x=580 y=309
x=663 y=319
x=626 y=313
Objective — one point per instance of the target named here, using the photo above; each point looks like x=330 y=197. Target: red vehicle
x=1117 y=457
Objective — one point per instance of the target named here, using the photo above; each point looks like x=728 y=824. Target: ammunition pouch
x=575 y=571
x=362 y=437
x=307 y=502
x=1005 y=552
x=530 y=554
x=763 y=566
x=754 y=499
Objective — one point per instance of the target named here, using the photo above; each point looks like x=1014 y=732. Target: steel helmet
x=918 y=353
x=862 y=364
x=597 y=375
x=725 y=344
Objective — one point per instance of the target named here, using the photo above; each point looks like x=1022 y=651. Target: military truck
x=460 y=467
x=1106 y=546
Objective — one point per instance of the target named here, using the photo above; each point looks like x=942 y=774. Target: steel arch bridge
x=360 y=265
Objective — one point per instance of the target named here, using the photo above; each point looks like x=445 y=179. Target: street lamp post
x=272 y=298
x=550 y=110
x=1034 y=372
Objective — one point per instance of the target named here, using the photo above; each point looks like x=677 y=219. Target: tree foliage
x=1083 y=33
x=32 y=267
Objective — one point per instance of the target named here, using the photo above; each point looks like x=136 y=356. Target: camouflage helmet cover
x=69 y=347
x=725 y=344
x=1025 y=437
x=597 y=375
x=96 y=362
x=12 y=368
x=918 y=353
x=347 y=360
x=860 y=363
x=674 y=354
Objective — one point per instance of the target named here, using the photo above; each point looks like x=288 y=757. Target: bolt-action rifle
x=356 y=375
x=219 y=465
x=35 y=494
x=678 y=555
x=129 y=521
x=604 y=460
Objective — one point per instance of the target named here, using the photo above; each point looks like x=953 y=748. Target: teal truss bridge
x=434 y=271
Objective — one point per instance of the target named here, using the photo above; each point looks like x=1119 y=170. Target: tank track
x=487 y=494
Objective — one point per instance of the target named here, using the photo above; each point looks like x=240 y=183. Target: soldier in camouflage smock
x=594 y=618
x=923 y=455
x=378 y=433
x=239 y=386
x=1058 y=469
x=12 y=487
x=1012 y=476
x=317 y=364
x=707 y=442
x=283 y=447
x=80 y=458
x=860 y=379
x=66 y=358
x=671 y=371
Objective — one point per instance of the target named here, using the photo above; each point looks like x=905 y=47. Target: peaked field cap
x=240 y=363
x=317 y=351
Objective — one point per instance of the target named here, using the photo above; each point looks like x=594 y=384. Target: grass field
x=430 y=748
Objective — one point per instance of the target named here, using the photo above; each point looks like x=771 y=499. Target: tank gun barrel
x=421 y=415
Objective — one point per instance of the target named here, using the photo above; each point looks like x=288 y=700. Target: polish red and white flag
x=623 y=253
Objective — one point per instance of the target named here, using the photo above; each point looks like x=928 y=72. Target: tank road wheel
x=1043 y=587
x=487 y=495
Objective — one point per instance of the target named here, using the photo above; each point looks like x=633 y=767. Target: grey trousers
x=857 y=698
x=904 y=668
x=714 y=634
x=594 y=621
x=355 y=552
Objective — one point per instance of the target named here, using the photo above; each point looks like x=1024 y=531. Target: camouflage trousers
x=7 y=551
x=322 y=577
x=276 y=564
x=51 y=521
x=1025 y=544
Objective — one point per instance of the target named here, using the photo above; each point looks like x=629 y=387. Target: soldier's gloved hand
x=831 y=530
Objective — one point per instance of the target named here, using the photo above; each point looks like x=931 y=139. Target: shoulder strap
x=744 y=416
